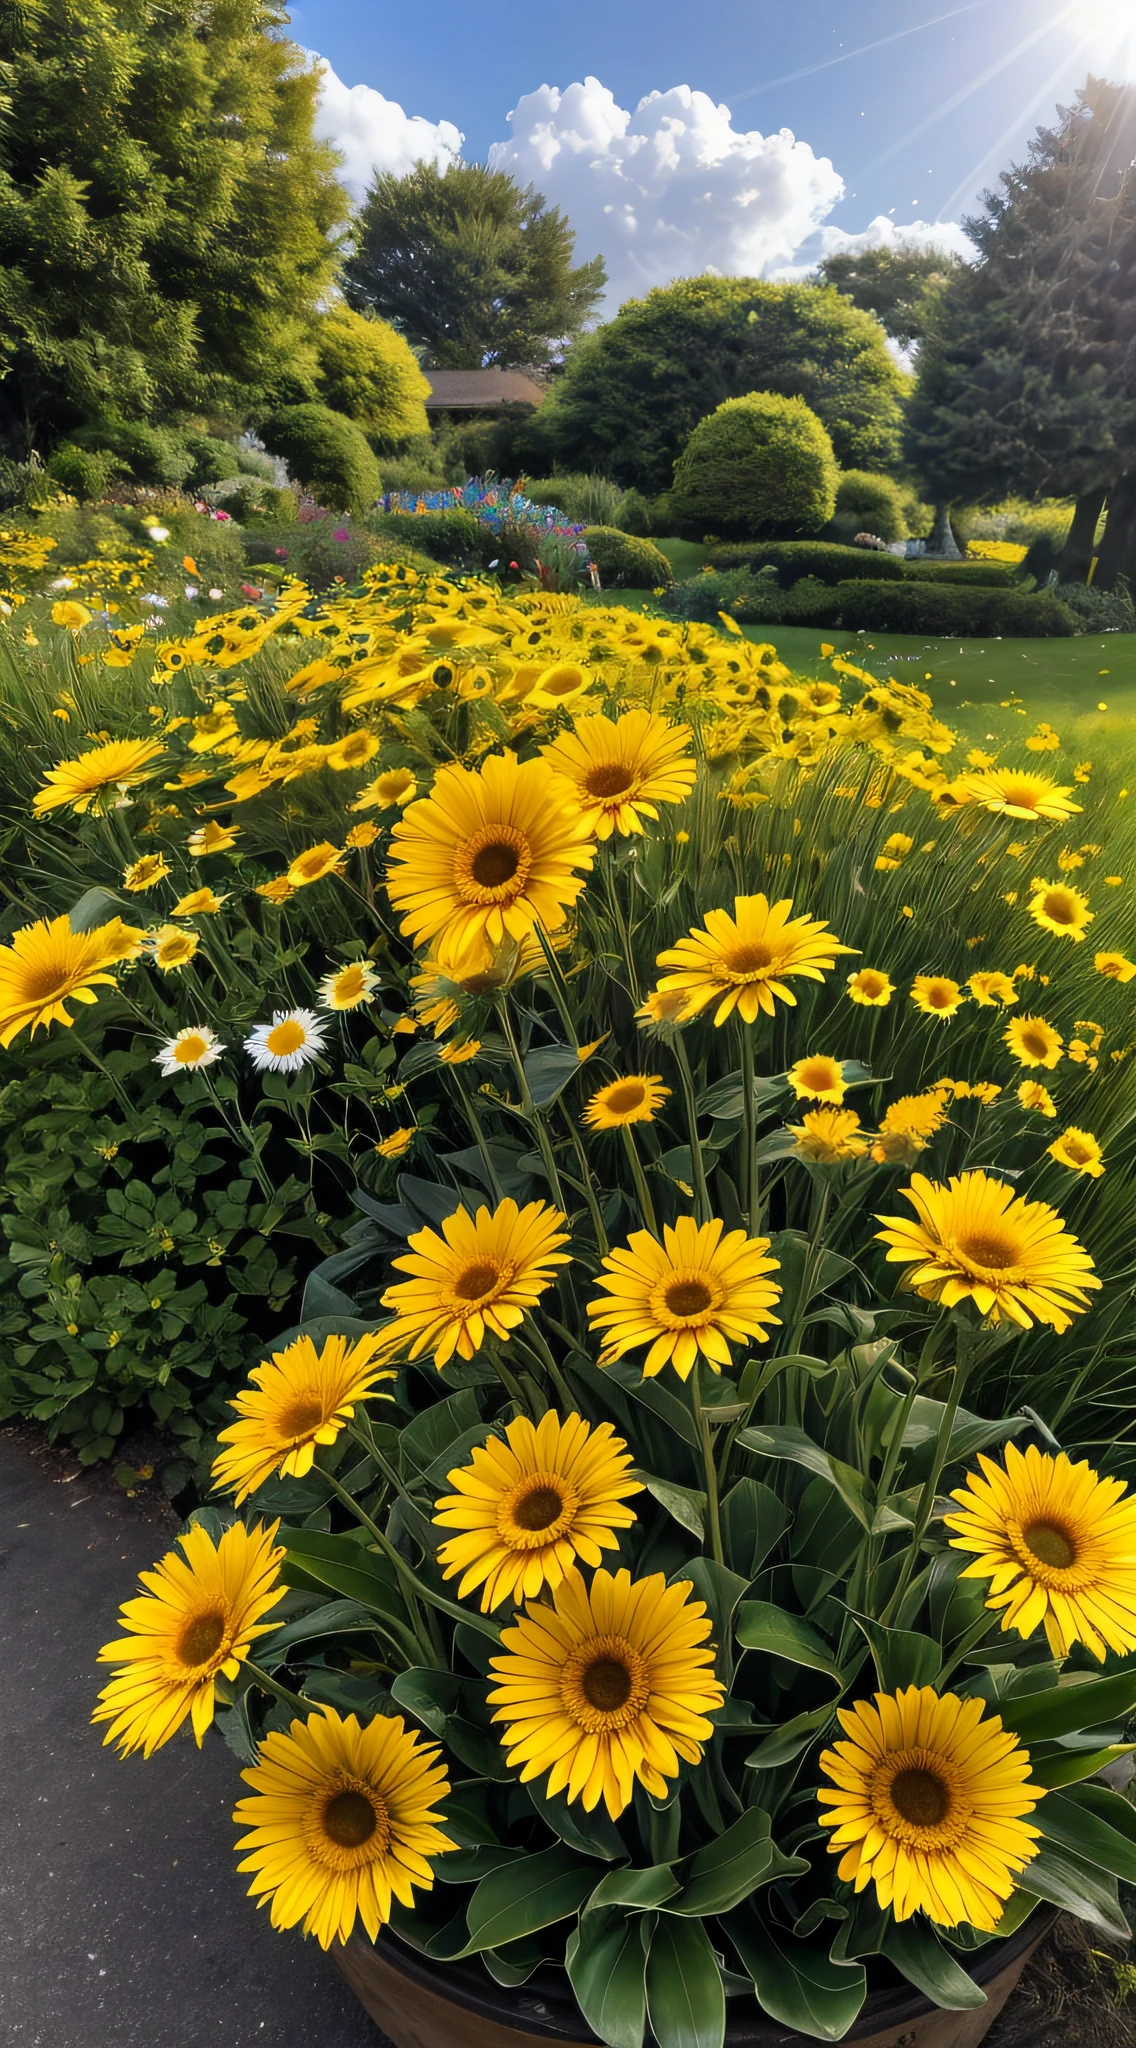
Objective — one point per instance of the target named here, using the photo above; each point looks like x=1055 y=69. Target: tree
x=370 y=373
x=1027 y=378
x=760 y=466
x=472 y=268
x=327 y=453
x=898 y=285
x=167 y=222
x=631 y=394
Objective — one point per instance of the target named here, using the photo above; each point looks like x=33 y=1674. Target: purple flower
x=341 y=533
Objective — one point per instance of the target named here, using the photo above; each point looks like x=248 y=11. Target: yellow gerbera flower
x=362 y=835
x=609 y=1683
x=117 y=765
x=533 y=1502
x=199 y=903
x=696 y=1292
x=278 y=890
x=353 y=752
x=399 y=1142
x=47 y=965
x=931 y=1794
x=347 y=988
x=870 y=987
x=1115 y=965
x=1032 y=1095
x=300 y=1397
x=212 y=837
x=314 y=863
x=990 y=989
x=1079 y=1151
x=635 y=1100
x=937 y=995
x=1061 y=909
x=344 y=1819
x=906 y=1126
x=829 y=1136
x=202 y=1611
x=480 y=1277
x=68 y=612
x=171 y=948
x=817 y=1078
x=975 y=1240
x=145 y=873
x=1017 y=793
x=622 y=770
x=1033 y=1042
x=488 y=855
x=743 y=962
x=1058 y=1544
x=393 y=786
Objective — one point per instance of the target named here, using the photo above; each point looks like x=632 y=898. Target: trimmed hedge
x=759 y=464
x=831 y=563
x=327 y=454
x=456 y=537
x=623 y=559
x=867 y=503
x=936 y=610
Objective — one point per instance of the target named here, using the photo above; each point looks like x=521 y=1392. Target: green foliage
x=325 y=551
x=167 y=222
x=326 y=453
x=152 y=455
x=631 y=394
x=370 y=373
x=1099 y=611
x=587 y=500
x=875 y=606
x=624 y=559
x=456 y=537
x=758 y=465
x=1019 y=520
x=868 y=503
x=793 y=559
x=84 y=472
x=470 y=267
x=898 y=285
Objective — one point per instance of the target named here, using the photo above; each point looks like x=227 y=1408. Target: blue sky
x=914 y=127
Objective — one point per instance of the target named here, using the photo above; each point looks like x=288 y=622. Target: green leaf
x=685 y=1997
x=1065 y=1709
x=901 y=1657
x=436 y=1428
x=684 y=1506
x=721 y=1590
x=1069 y=1766
x=642 y=1889
x=1095 y=1823
x=754 y=1519
x=94 y=907
x=919 y=1955
x=607 y=1970
x=1066 y=1880
x=794 y=1979
x=528 y=1895
x=666 y=1406
x=762 y=1625
x=430 y=1696
x=783 y=1440
x=728 y=1869
x=789 y=1740
x=548 y=1072
x=591 y=1834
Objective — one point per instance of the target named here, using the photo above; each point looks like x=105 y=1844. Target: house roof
x=475 y=390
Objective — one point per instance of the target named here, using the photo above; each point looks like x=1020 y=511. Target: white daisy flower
x=194 y=1047
x=348 y=986
x=291 y=1041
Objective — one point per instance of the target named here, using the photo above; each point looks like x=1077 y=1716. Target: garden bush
x=867 y=503
x=762 y=464
x=588 y=500
x=820 y=558
x=634 y=514
x=325 y=551
x=84 y=472
x=624 y=559
x=1099 y=611
x=940 y=610
x=151 y=455
x=456 y=537
x=370 y=374
x=326 y=453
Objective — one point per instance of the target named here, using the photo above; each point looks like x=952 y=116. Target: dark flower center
x=349 y=1819
x=989 y=1252
x=495 y=864
x=476 y=1282
x=538 y=1509
x=920 y=1797
x=302 y=1417
x=606 y=1684
x=688 y=1298
x=613 y=778
x=1050 y=1545
x=627 y=1095
x=201 y=1638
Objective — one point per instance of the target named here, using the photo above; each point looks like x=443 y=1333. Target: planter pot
x=419 y=2004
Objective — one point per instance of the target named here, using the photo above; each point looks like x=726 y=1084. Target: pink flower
x=341 y=533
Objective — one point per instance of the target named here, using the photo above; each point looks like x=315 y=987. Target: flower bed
x=636 y=1555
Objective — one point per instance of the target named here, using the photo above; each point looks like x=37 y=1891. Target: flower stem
x=273 y=1686
x=414 y=1587
x=702 y=1425
x=701 y=1191
x=749 y=1135
x=544 y=1144
x=643 y=1192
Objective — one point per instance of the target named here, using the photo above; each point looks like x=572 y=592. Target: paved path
x=123 y=1921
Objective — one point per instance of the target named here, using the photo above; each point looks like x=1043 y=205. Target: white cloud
x=375 y=134
x=885 y=233
x=671 y=190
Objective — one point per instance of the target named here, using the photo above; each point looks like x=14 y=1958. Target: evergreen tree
x=167 y=222
x=898 y=285
x=470 y=267
x=1027 y=378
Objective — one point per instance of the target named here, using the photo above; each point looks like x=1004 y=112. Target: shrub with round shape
x=762 y=464
x=866 y=501
x=624 y=559
x=327 y=453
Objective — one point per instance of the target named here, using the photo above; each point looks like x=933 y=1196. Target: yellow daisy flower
x=212 y=837
x=1115 y=965
x=300 y=1397
x=278 y=890
x=314 y=863
x=1061 y=909
x=871 y=988
x=353 y=752
x=171 y=948
x=116 y=766
x=607 y=1684
x=829 y=1136
x=937 y=995
x=895 y=850
x=697 y=1292
x=622 y=770
x=48 y=965
x=975 y=1240
x=145 y=873
x=636 y=1099
x=362 y=835
x=201 y=1612
x=456 y=1053
x=743 y=962
x=344 y=1818
x=906 y=1126
x=347 y=988
x=817 y=1079
x=398 y=1143
x=199 y=903
x=480 y=1277
x=393 y=786
x=931 y=1794
x=1058 y=1544
x=1079 y=1151
x=531 y=1503
x=991 y=989
x=1017 y=793
x=1032 y=1095
x=1033 y=1042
